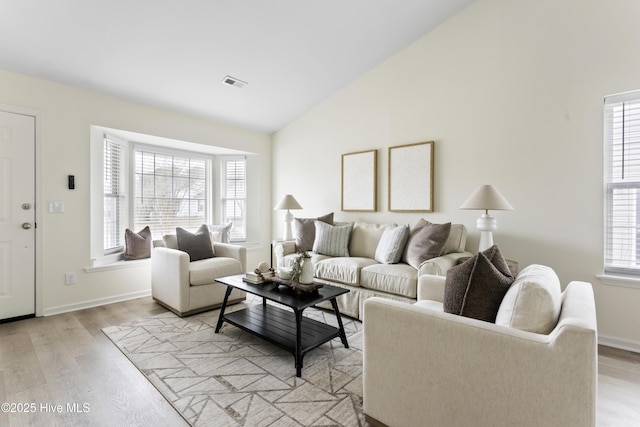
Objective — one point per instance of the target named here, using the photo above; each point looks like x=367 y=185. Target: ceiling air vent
x=232 y=81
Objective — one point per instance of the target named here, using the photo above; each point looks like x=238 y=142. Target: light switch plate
x=56 y=207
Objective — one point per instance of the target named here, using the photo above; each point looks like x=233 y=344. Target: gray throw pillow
x=305 y=231
x=137 y=245
x=392 y=244
x=197 y=245
x=426 y=241
x=332 y=240
x=476 y=287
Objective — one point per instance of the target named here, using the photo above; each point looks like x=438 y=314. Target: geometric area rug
x=236 y=379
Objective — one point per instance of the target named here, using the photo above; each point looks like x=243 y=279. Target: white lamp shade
x=486 y=198
x=288 y=202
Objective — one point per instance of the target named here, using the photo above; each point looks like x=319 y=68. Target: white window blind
x=170 y=191
x=234 y=196
x=113 y=195
x=622 y=183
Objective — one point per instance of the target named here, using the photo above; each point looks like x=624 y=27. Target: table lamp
x=486 y=198
x=288 y=202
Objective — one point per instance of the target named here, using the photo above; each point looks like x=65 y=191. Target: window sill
x=118 y=265
x=619 y=280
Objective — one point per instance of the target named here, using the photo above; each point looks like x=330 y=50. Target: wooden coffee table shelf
x=289 y=330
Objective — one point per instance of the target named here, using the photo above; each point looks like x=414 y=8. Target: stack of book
x=255 y=278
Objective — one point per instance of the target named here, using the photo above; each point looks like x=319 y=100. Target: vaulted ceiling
x=175 y=54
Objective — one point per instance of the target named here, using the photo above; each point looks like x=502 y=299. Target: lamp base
x=288 y=232
x=486 y=224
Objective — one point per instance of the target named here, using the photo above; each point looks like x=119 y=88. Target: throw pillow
x=426 y=241
x=332 y=240
x=476 y=287
x=221 y=233
x=533 y=302
x=391 y=245
x=197 y=245
x=137 y=245
x=305 y=231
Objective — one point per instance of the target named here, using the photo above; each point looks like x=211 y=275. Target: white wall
x=511 y=91
x=67 y=115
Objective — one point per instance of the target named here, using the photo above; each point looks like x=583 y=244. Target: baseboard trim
x=60 y=309
x=620 y=343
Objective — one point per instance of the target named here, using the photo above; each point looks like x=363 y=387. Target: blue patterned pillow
x=332 y=240
x=392 y=243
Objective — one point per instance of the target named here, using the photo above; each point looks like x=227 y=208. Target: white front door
x=17 y=215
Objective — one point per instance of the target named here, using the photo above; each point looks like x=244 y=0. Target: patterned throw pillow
x=332 y=240
x=305 y=230
x=137 y=245
x=392 y=244
x=476 y=287
x=197 y=245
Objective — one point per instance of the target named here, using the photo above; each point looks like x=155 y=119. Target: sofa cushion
x=305 y=230
x=476 y=287
x=332 y=240
x=220 y=233
x=397 y=279
x=533 y=302
x=365 y=238
x=392 y=243
x=137 y=245
x=456 y=241
x=207 y=270
x=426 y=241
x=342 y=269
x=197 y=245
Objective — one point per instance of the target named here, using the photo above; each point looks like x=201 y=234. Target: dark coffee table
x=288 y=330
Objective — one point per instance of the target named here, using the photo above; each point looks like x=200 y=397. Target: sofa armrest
x=281 y=249
x=431 y=287
x=231 y=251
x=170 y=277
x=440 y=265
x=421 y=365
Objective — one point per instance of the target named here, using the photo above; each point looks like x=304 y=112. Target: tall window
x=622 y=183
x=170 y=191
x=114 y=203
x=234 y=196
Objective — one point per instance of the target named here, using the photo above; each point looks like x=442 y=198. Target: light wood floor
x=66 y=360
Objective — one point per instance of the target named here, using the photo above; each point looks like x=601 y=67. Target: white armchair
x=186 y=287
x=423 y=366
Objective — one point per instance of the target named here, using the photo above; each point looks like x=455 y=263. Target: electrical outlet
x=70 y=278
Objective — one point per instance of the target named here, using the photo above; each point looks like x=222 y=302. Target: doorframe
x=38 y=199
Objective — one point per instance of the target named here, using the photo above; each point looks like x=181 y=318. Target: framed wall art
x=411 y=177
x=359 y=186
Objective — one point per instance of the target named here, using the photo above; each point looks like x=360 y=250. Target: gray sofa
x=364 y=276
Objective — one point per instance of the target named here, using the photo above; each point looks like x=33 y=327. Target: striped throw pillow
x=332 y=240
x=392 y=243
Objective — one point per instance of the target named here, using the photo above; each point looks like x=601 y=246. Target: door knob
x=26 y=225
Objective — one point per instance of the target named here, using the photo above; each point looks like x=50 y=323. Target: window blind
x=112 y=187
x=170 y=191
x=622 y=183
x=234 y=195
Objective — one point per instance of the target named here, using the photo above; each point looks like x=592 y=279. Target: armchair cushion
x=197 y=245
x=533 y=302
x=205 y=271
x=476 y=287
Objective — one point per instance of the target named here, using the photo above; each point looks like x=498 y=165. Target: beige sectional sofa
x=364 y=276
